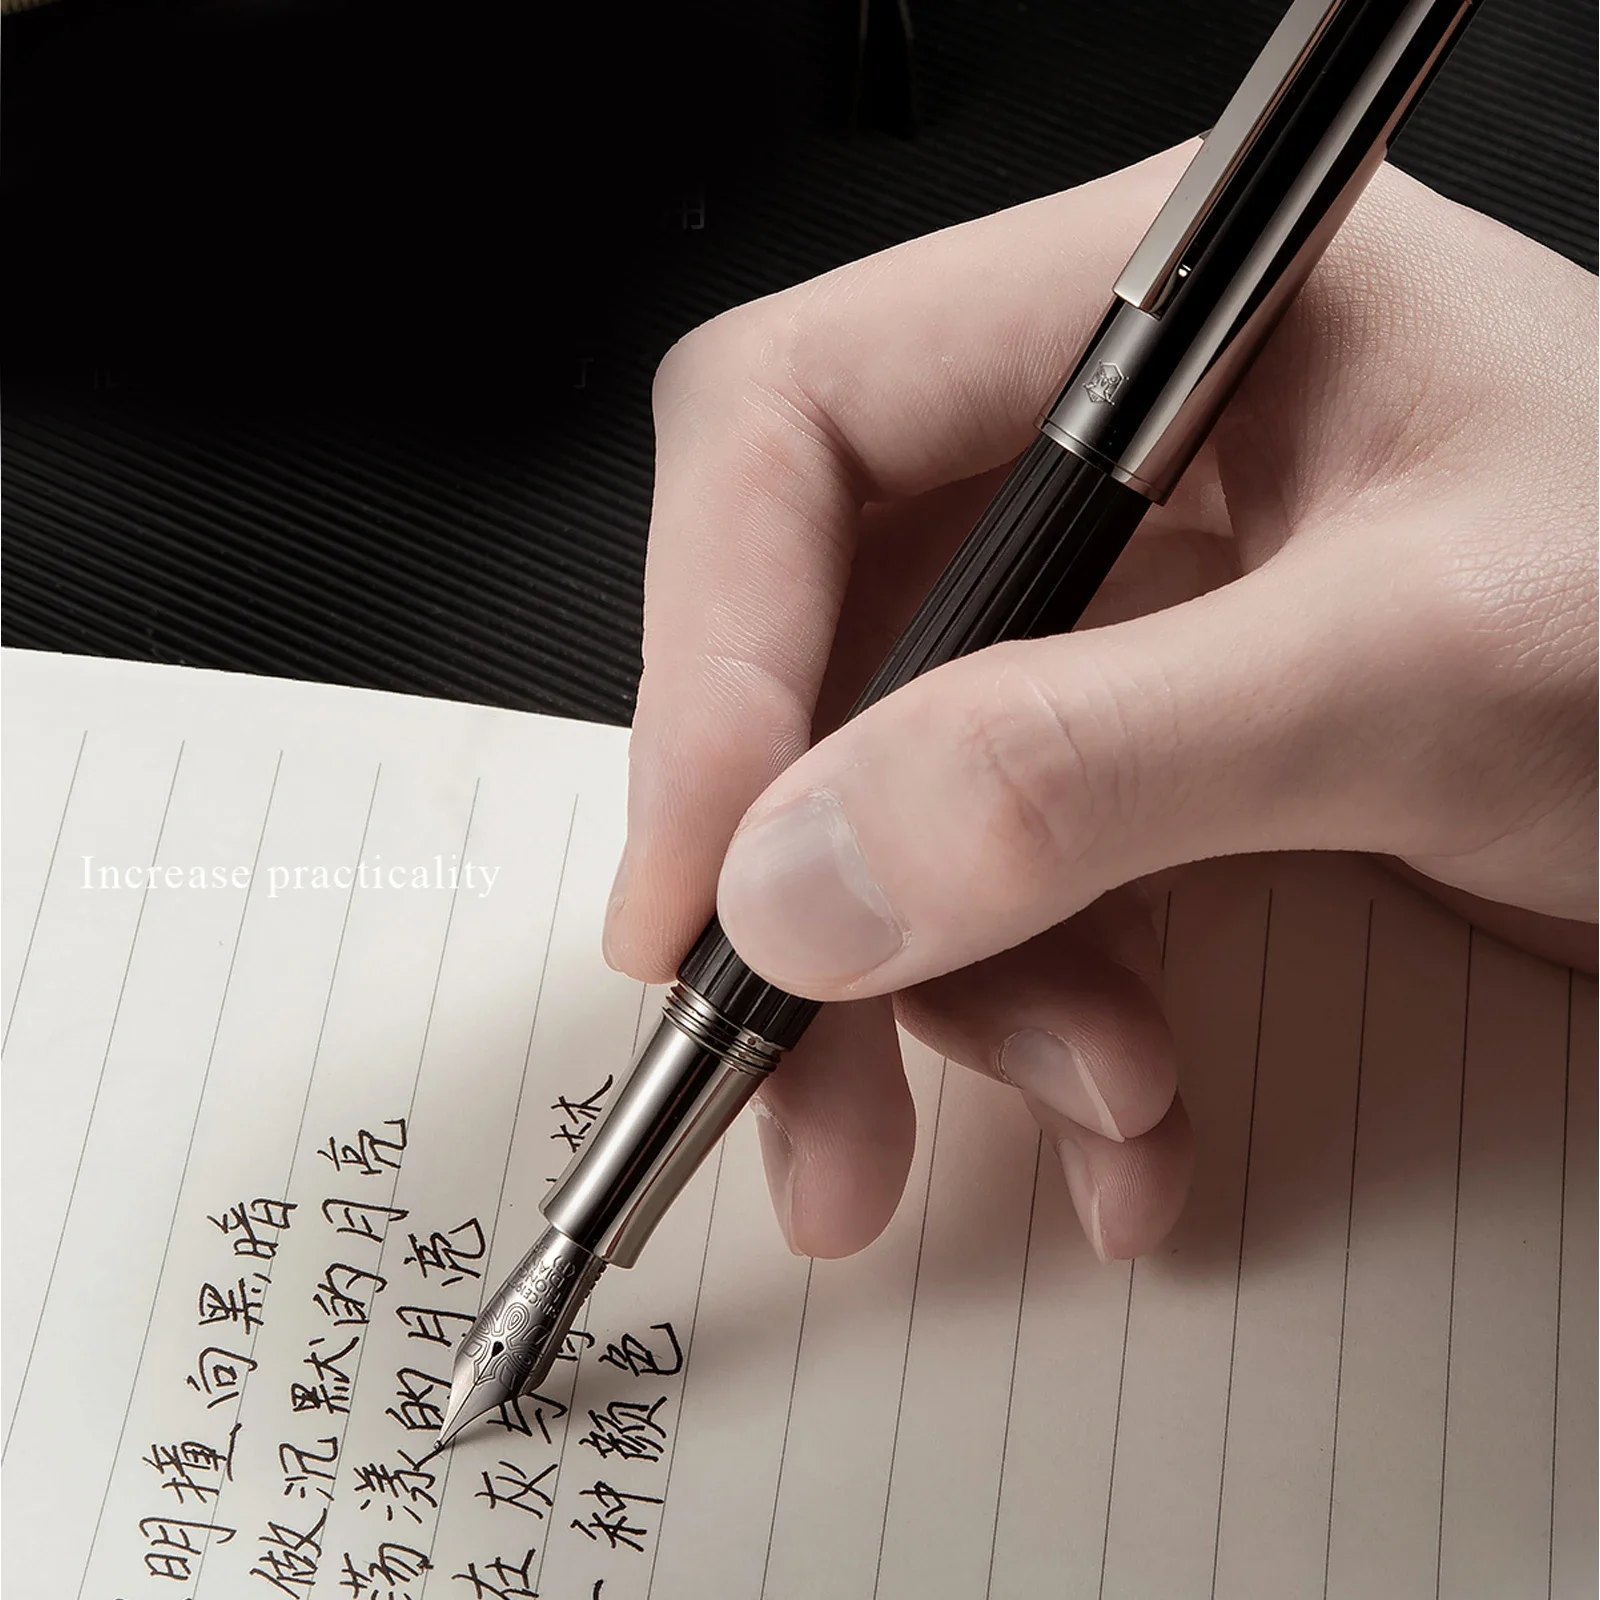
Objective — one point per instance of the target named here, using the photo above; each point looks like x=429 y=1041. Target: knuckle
x=703 y=362
x=741 y=350
x=744 y=374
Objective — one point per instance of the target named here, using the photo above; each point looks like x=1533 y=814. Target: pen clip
x=1224 y=164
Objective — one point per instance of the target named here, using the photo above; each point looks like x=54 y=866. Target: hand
x=1366 y=621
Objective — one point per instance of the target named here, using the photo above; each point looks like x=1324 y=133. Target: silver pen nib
x=510 y=1349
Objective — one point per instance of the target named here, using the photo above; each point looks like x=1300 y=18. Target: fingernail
x=1085 y=1195
x=798 y=898
x=1047 y=1067
x=777 y=1156
x=608 y=946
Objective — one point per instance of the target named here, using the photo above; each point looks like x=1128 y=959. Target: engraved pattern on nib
x=531 y=1312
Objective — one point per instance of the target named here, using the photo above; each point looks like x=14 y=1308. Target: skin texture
x=1365 y=621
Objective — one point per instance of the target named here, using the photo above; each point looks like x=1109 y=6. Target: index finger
x=776 y=424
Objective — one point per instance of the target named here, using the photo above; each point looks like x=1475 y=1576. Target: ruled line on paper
x=254 y=1333
x=1127 y=1318
x=911 y=1324
x=583 y=1324
x=1561 y=1262
x=1238 y=1273
x=433 y=1534
x=588 y=1305
x=327 y=998
x=527 y=1053
x=1349 y=1222
x=788 y=1418
x=296 y=1145
x=438 y=971
x=505 y=1168
x=638 y=1021
x=566 y=1439
x=683 y=1390
x=1016 y=1344
x=1116 y=1431
x=1455 y=1251
x=183 y=1173
x=77 y=1171
x=533 y=1028
x=44 y=890
x=416 y=1078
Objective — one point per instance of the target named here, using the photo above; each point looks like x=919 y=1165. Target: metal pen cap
x=1241 y=231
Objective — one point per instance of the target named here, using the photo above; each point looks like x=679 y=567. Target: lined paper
x=270 y=1139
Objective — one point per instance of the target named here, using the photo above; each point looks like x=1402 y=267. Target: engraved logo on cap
x=1104 y=383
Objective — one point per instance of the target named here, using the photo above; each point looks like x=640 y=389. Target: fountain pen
x=1273 y=180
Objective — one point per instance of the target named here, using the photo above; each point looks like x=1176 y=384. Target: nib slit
x=493 y=1366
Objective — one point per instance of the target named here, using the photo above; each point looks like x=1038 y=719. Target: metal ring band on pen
x=701 y=1020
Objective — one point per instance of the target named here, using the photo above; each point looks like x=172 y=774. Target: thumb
x=999 y=794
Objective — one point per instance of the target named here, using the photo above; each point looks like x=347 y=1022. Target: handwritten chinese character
x=512 y=1486
x=514 y=1419
x=331 y=1391
x=397 y=1489
x=249 y=1219
x=499 y=1580
x=174 y=1543
x=418 y=1410
x=574 y=1344
x=186 y=1466
x=435 y=1327
x=219 y=1374
x=241 y=1303
x=345 y=1294
x=306 y=1471
x=609 y=1521
x=288 y=1560
x=579 y=1116
x=450 y=1255
x=368 y=1153
x=639 y=1359
x=392 y=1574
x=627 y=1428
x=361 y=1219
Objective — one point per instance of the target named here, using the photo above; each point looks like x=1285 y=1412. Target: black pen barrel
x=1029 y=567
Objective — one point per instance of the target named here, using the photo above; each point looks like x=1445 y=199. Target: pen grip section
x=690 y=1081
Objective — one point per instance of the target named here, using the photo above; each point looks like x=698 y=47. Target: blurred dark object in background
x=331 y=325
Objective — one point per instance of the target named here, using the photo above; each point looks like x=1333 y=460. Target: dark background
x=330 y=325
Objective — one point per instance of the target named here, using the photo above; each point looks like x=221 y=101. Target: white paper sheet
x=268 y=1139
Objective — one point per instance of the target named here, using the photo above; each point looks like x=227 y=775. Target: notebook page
x=268 y=1141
